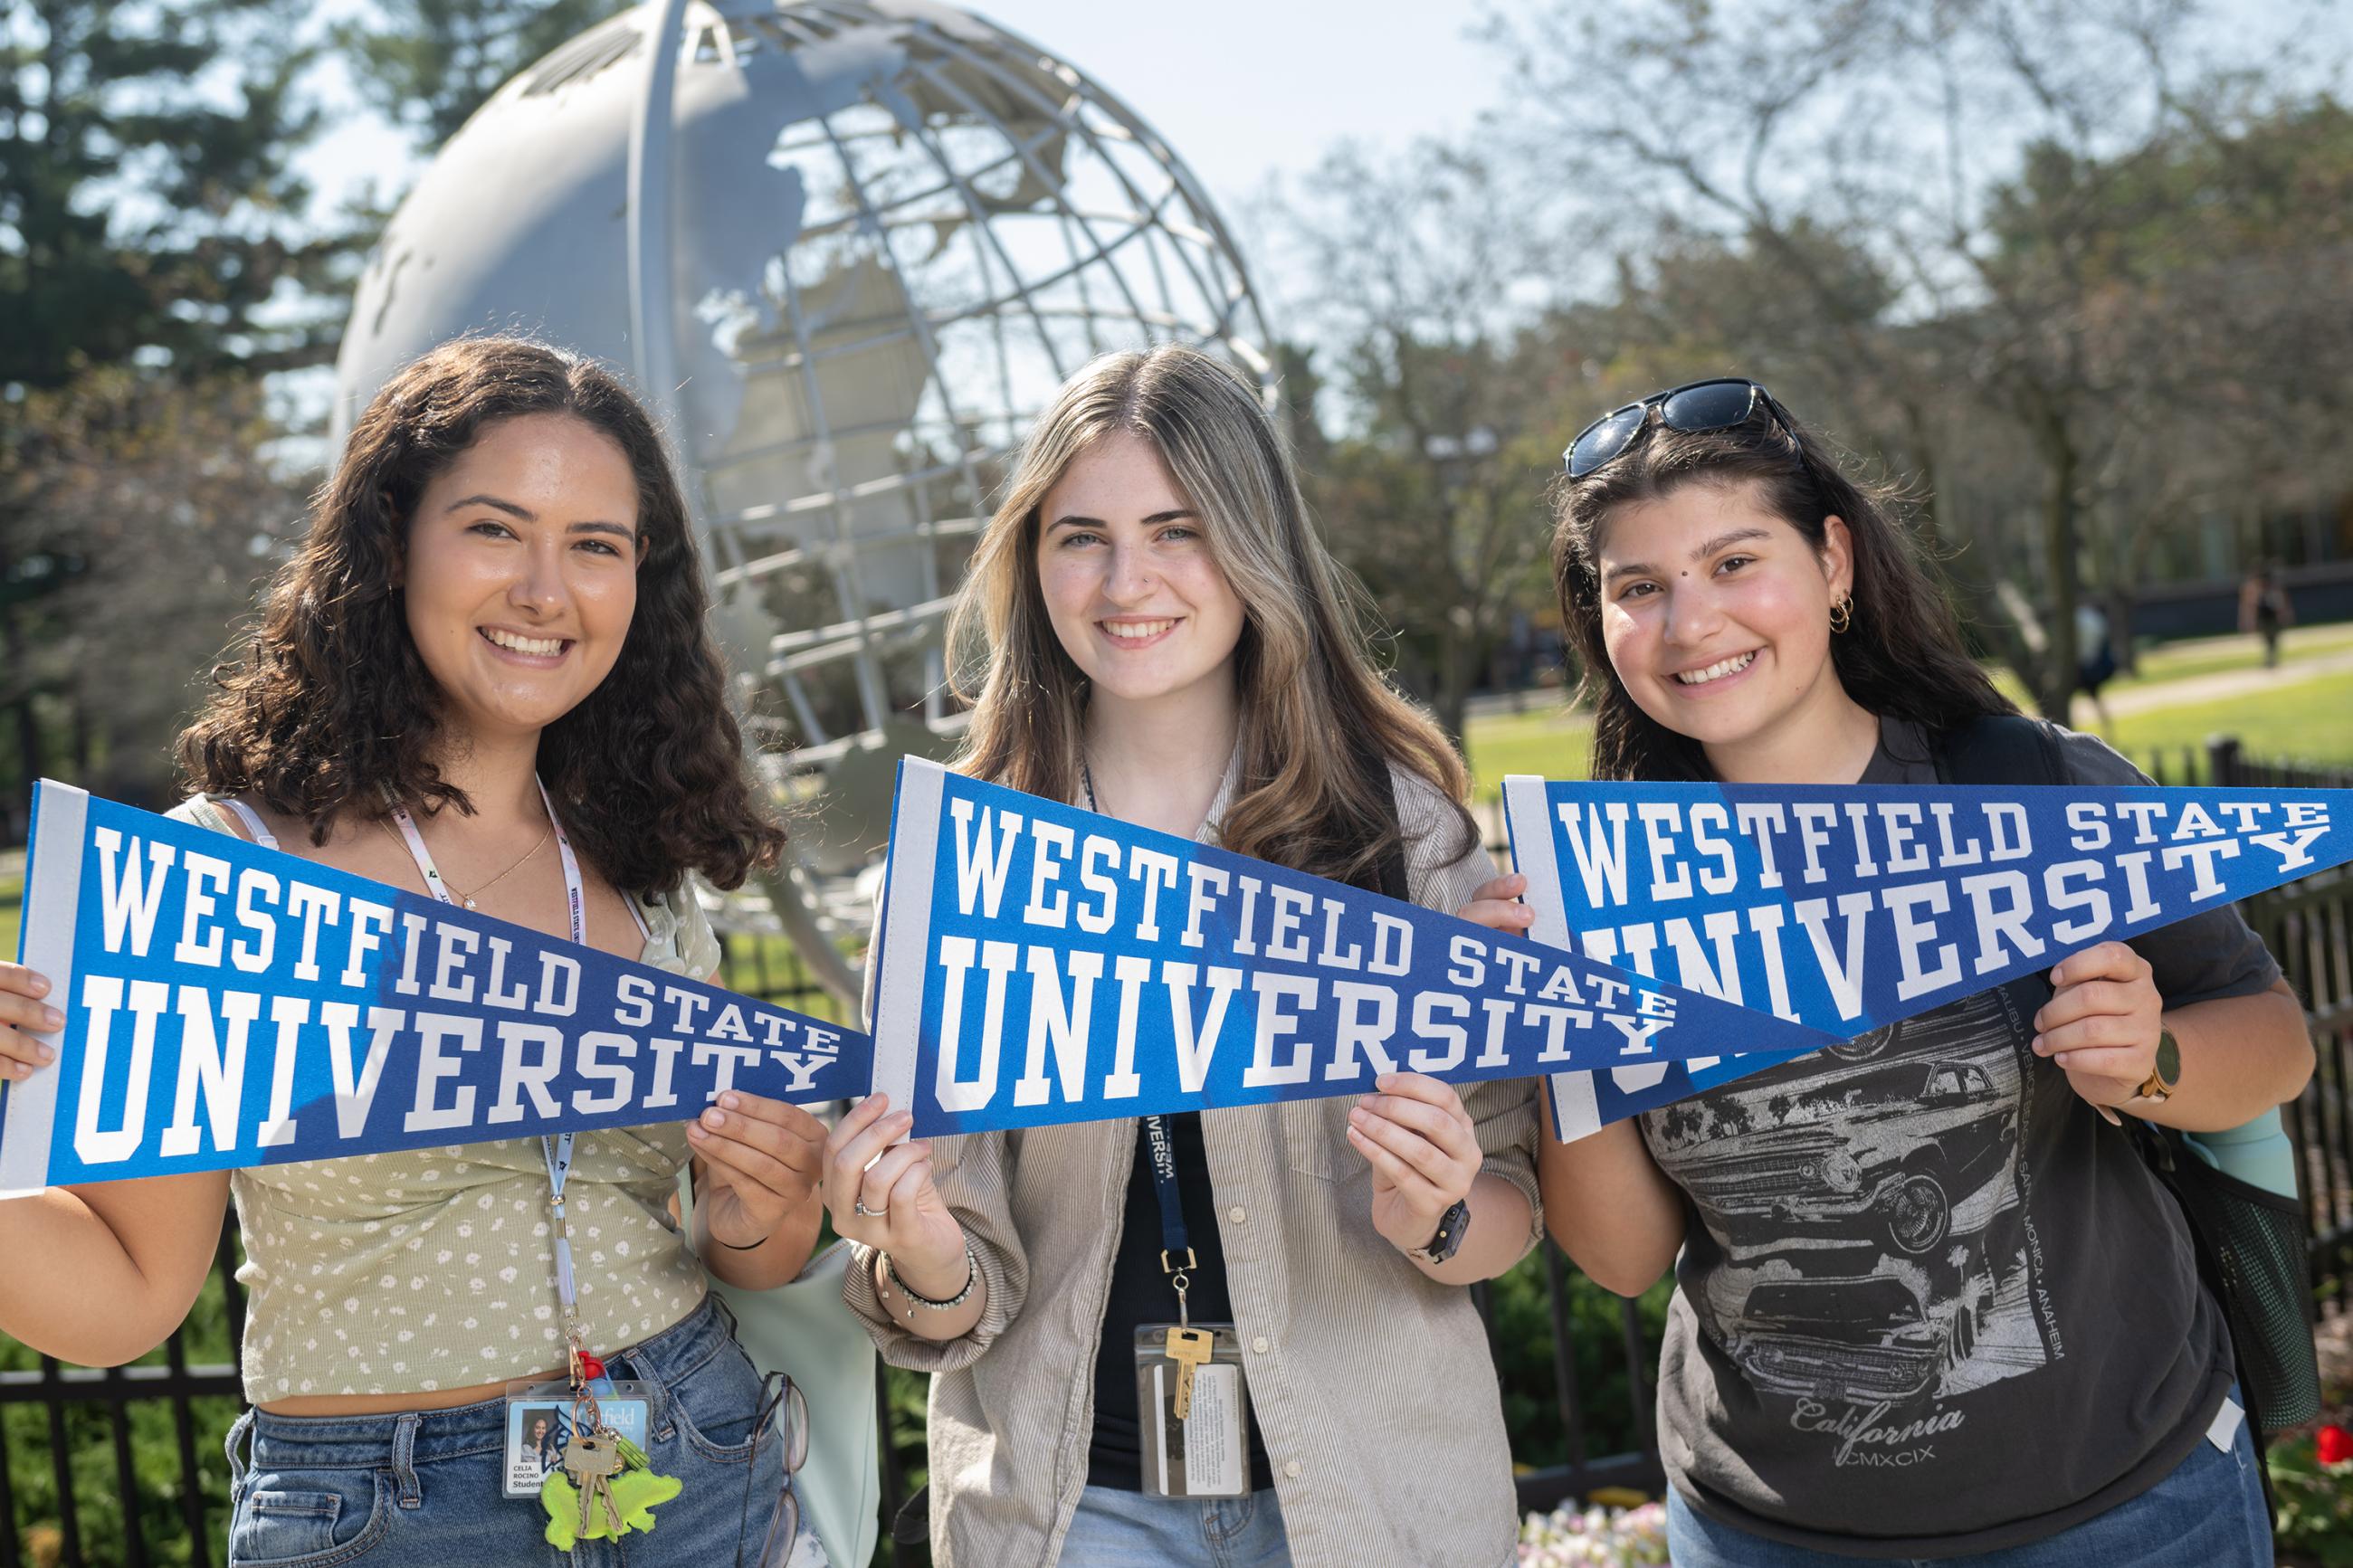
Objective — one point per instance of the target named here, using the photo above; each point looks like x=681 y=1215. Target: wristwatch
x=1452 y=1225
x=2168 y=1076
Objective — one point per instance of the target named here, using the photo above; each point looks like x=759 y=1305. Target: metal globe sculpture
x=849 y=248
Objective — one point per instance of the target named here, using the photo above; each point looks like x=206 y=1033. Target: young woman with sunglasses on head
x=1931 y=1304
x=484 y=676
x=1160 y=636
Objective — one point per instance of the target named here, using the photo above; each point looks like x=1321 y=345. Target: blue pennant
x=230 y=1005
x=1847 y=909
x=1043 y=964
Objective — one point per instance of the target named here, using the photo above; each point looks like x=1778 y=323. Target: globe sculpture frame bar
x=846 y=248
x=650 y=327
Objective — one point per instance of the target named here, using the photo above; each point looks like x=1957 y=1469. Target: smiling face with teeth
x=1715 y=612
x=520 y=575
x=1136 y=596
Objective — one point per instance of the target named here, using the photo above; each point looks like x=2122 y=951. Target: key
x=604 y=1488
x=591 y=1459
x=1188 y=1347
x=591 y=1455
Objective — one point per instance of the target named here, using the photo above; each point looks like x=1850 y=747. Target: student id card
x=1192 y=1405
x=539 y=1422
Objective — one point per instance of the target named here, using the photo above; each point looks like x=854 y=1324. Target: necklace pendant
x=469 y=903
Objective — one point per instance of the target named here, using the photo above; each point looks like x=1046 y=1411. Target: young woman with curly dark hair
x=485 y=674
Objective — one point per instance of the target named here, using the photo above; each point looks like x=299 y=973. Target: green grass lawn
x=2297 y=721
x=2215 y=656
x=1551 y=741
x=2308 y=720
x=768 y=967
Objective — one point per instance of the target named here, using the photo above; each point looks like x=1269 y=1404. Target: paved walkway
x=2219 y=687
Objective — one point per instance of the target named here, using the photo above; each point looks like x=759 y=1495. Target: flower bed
x=1596 y=1537
x=2312 y=1476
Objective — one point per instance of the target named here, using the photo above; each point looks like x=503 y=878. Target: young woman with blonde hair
x=1151 y=628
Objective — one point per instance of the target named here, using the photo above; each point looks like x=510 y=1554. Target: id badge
x=539 y=1423
x=1195 y=1429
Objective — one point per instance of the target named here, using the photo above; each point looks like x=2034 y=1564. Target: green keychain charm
x=606 y=1487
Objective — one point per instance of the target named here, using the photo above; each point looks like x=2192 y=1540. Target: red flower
x=2334 y=1445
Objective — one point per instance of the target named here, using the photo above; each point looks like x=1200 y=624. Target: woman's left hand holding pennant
x=1423 y=1151
x=21 y=1014
x=758 y=1163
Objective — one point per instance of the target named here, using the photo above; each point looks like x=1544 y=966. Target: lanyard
x=556 y=1151
x=1176 y=1251
x=574 y=896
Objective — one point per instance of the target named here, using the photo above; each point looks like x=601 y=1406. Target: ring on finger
x=858 y=1206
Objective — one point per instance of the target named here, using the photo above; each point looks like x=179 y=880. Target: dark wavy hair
x=1902 y=655
x=327 y=707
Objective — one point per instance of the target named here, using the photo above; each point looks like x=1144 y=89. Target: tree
x=147 y=205
x=141 y=506
x=428 y=64
x=158 y=259
x=2227 y=268
x=1433 y=492
x=149 y=217
x=1920 y=136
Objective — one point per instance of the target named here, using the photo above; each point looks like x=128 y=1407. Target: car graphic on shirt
x=1864 y=1339
x=1904 y=1145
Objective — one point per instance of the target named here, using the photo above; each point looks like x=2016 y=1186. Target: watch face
x=2169 y=1059
x=1448 y=1238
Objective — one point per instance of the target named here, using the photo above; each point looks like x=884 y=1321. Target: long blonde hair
x=1318 y=725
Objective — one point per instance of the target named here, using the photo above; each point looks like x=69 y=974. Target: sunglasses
x=1716 y=404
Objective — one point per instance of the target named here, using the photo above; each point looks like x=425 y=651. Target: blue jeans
x=1115 y=1529
x=421 y=1489
x=2208 y=1513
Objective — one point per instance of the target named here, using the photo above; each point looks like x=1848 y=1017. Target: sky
x=1250 y=93
x=1242 y=89
x=1381 y=71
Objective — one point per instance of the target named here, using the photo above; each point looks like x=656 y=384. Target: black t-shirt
x=1140 y=1294
x=1140 y=1291
x=1929 y=1303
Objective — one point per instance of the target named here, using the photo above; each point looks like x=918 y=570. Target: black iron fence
x=2308 y=926
x=124 y=1466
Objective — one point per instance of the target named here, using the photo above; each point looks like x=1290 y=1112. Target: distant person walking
x=2095 y=658
x=2265 y=607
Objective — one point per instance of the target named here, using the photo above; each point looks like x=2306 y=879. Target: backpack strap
x=1999 y=748
x=2004 y=749
x=2247 y=1241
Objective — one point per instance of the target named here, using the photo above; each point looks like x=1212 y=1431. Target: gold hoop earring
x=1842 y=615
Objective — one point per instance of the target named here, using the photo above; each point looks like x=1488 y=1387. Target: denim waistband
x=407 y=1437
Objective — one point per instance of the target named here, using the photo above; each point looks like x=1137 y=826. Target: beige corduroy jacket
x=1371 y=1384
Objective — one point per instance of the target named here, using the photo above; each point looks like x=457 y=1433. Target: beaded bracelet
x=917 y=1298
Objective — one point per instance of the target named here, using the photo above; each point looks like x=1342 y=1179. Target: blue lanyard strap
x=1176 y=1251
x=589 y=1381
x=557 y=1151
